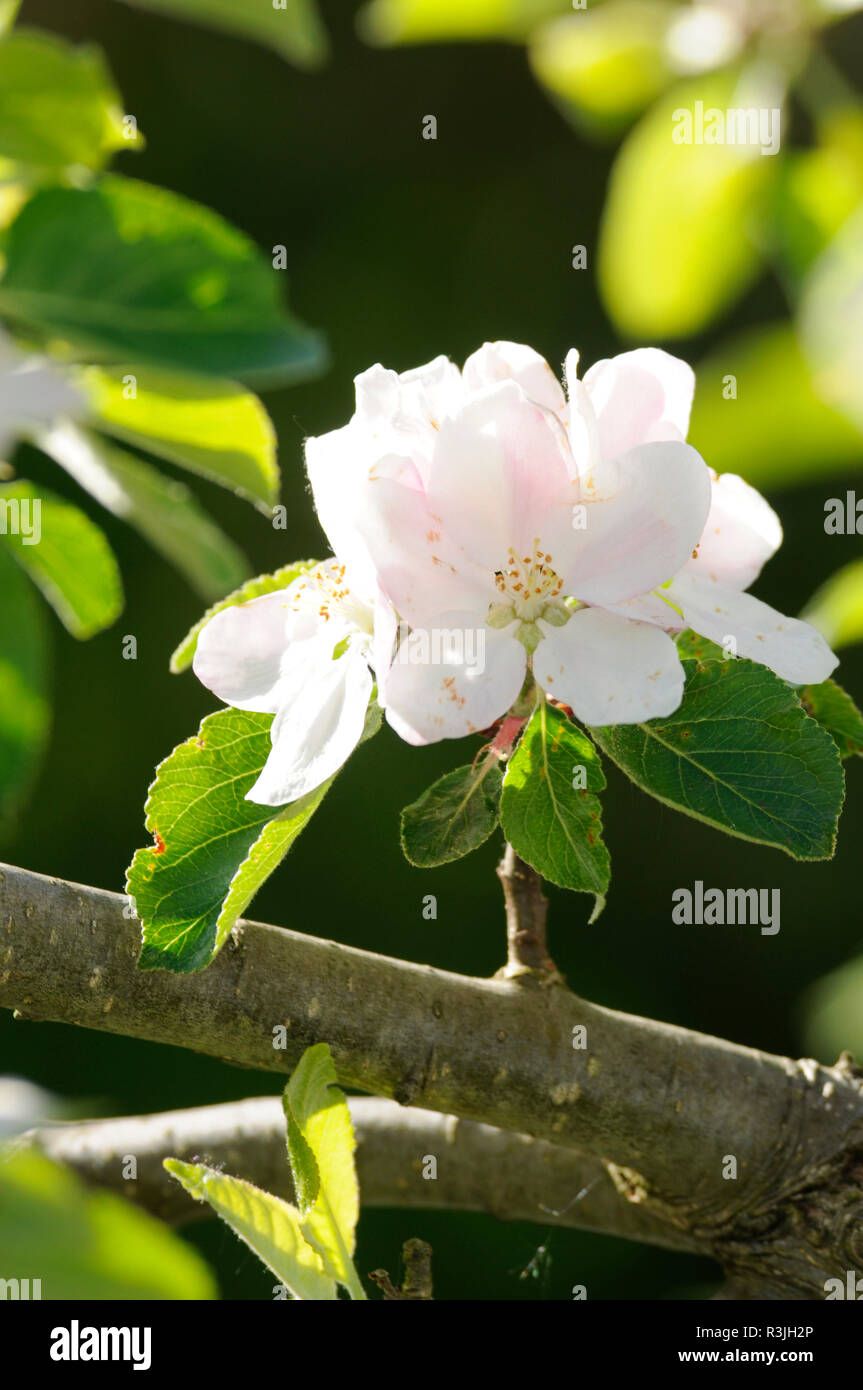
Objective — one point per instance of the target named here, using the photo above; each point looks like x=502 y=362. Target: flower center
x=529 y=588
x=324 y=592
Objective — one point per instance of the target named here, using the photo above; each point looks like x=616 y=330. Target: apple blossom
x=577 y=534
x=33 y=395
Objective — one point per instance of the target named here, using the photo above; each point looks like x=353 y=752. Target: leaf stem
x=526 y=909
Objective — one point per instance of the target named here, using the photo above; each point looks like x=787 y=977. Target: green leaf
x=678 y=242
x=184 y=655
x=71 y=562
x=424 y=21
x=831 y=319
x=321 y=1148
x=603 y=66
x=213 y=848
x=550 y=823
x=124 y=272
x=163 y=510
x=833 y=1013
x=806 y=440
x=741 y=754
x=8 y=11
x=455 y=815
x=59 y=109
x=693 y=645
x=293 y=29
x=268 y=1225
x=837 y=713
x=86 y=1244
x=837 y=607
x=215 y=428
x=25 y=712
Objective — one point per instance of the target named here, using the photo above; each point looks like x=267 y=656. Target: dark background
x=401 y=248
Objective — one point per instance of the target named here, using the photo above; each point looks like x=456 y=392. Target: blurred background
x=400 y=248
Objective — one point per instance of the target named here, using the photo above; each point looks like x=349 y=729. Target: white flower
x=573 y=534
x=301 y=654
x=33 y=395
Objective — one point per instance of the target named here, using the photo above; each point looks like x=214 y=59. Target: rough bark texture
x=663 y=1108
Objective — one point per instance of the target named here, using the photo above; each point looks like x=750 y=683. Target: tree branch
x=665 y=1108
x=478 y=1168
x=526 y=909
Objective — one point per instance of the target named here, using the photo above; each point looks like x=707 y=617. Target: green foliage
x=213 y=848
x=549 y=808
x=268 y=1225
x=605 y=65
x=837 y=607
x=162 y=509
x=309 y=1248
x=422 y=21
x=837 y=713
x=124 y=272
x=321 y=1147
x=455 y=815
x=215 y=428
x=72 y=563
x=86 y=1244
x=832 y=1013
x=678 y=241
x=24 y=704
x=184 y=654
x=292 y=29
x=831 y=319
x=59 y=109
x=741 y=754
x=805 y=439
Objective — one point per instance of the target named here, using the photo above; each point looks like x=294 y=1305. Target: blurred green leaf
x=741 y=754
x=424 y=21
x=837 y=607
x=71 y=562
x=678 y=242
x=184 y=654
x=162 y=509
x=831 y=319
x=816 y=190
x=8 y=11
x=24 y=704
x=833 y=1013
x=291 y=27
x=837 y=713
x=215 y=428
x=455 y=815
x=604 y=65
x=268 y=1225
x=58 y=106
x=321 y=1148
x=126 y=271
x=746 y=433
x=86 y=1244
x=550 y=820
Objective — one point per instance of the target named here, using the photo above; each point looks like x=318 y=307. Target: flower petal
x=640 y=397
x=645 y=512
x=742 y=532
x=497 y=470
x=610 y=670
x=465 y=690
x=496 y=362
x=794 y=650
x=240 y=652
x=316 y=731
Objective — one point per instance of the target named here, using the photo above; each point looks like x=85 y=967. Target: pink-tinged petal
x=496 y=362
x=645 y=512
x=794 y=650
x=498 y=468
x=610 y=670
x=316 y=731
x=384 y=639
x=402 y=413
x=240 y=652
x=419 y=567
x=473 y=683
x=640 y=397
x=337 y=465
x=742 y=532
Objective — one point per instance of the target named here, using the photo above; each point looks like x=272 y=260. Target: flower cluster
x=571 y=528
